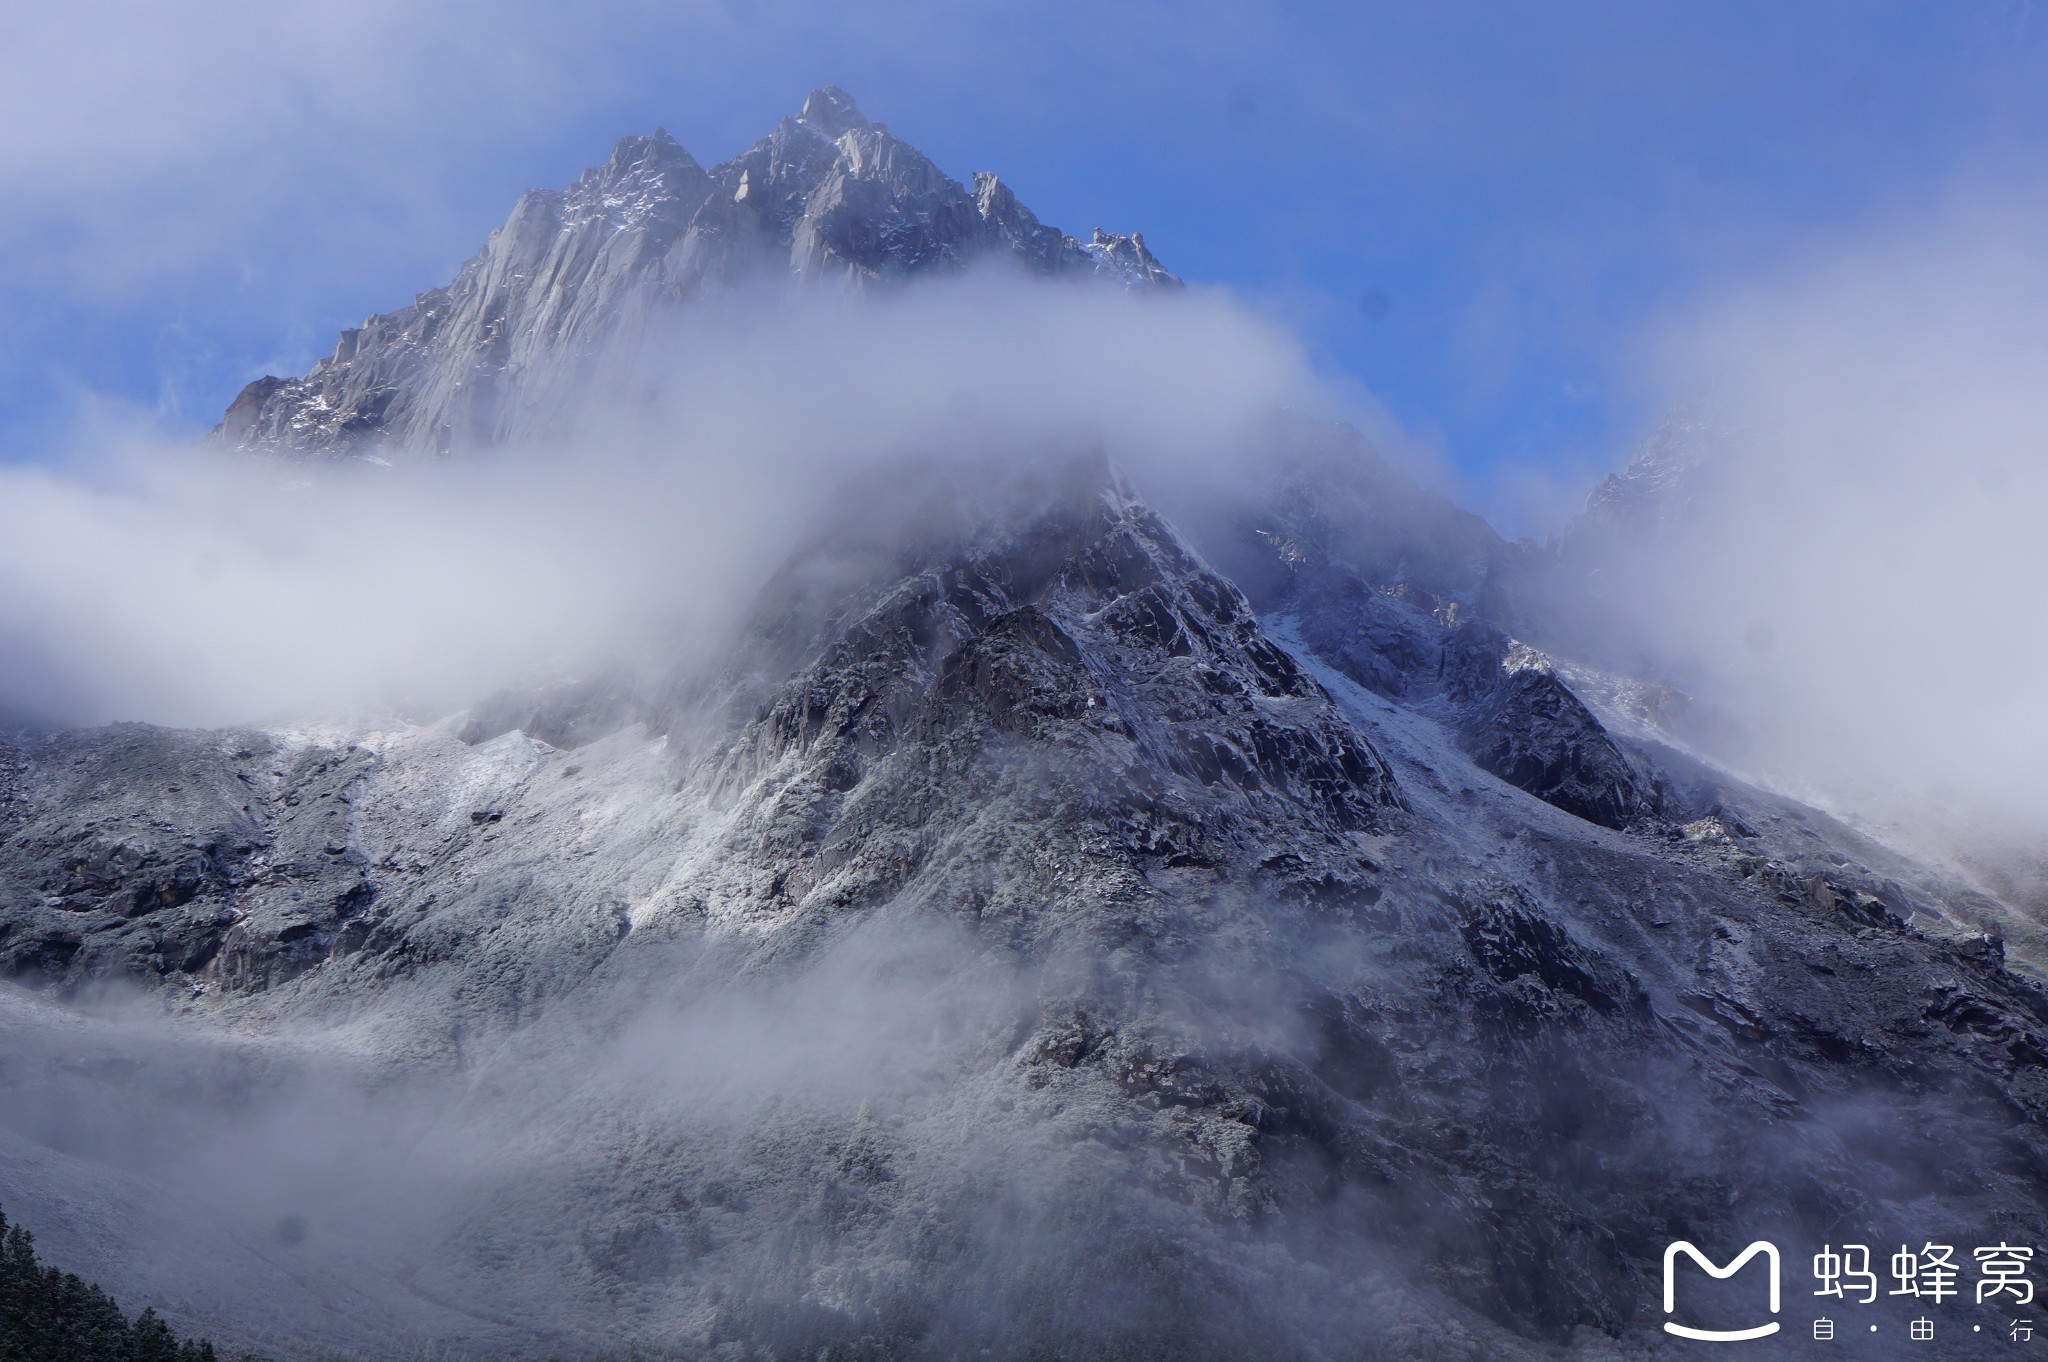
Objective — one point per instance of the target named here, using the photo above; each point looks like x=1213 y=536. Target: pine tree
x=47 y=1315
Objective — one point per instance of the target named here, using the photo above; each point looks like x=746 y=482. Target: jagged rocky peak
x=831 y=111
x=1126 y=255
x=643 y=175
x=1047 y=599
x=1040 y=644
x=500 y=353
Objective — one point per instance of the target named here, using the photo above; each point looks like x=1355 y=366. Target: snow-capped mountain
x=1047 y=927
x=828 y=198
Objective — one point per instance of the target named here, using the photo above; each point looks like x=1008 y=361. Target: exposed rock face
x=575 y=275
x=192 y=855
x=1520 y=722
x=1251 y=951
x=1392 y=586
x=1074 y=669
x=1039 y=933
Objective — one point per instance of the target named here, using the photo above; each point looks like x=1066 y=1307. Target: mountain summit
x=828 y=198
x=1039 y=923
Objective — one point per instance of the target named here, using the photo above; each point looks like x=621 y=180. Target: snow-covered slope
x=1017 y=945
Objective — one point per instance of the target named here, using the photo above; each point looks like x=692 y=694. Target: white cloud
x=1862 y=582
x=162 y=585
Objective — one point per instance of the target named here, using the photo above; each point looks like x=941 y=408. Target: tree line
x=48 y=1315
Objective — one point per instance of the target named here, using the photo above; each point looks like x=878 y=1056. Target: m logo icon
x=1769 y=1251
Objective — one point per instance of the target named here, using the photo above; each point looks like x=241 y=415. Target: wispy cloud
x=157 y=583
x=1859 y=579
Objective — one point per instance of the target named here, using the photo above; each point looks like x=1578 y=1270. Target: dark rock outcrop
x=1397 y=590
x=1520 y=722
x=140 y=853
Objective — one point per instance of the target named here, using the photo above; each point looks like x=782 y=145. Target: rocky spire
x=831 y=111
x=493 y=355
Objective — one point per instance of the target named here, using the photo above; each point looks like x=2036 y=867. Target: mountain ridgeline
x=1048 y=927
x=827 y=198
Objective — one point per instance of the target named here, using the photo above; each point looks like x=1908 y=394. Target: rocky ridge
x=576 y=276
x=1270 y=939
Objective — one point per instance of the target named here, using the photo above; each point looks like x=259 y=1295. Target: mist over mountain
x=798 y=764
x=1831 y=547
x=575 y=276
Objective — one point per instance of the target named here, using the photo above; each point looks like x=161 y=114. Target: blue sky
x=1484 y=215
